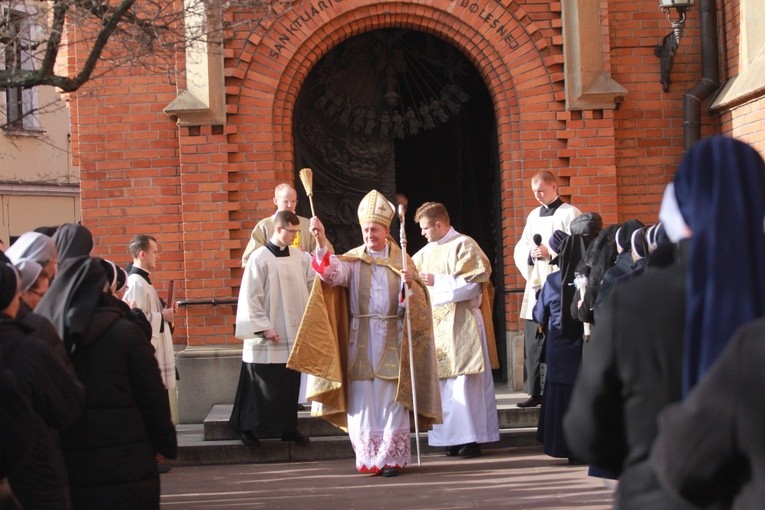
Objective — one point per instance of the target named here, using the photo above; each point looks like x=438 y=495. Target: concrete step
x=216 y=427
x=193 y=449
x=214 y=442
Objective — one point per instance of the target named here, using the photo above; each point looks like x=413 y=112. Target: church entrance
x=401 y=111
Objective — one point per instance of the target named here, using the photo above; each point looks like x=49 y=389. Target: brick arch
x=483 y=48
x=464 y=37
x=523 y=82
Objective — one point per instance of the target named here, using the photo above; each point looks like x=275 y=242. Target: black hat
x=588 y=225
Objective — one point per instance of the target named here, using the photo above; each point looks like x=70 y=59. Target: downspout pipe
x=710 y=72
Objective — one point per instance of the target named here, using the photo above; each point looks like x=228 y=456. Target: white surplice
x=142 y=295
x=273 y=295
x=378 y=426
x=536 y=274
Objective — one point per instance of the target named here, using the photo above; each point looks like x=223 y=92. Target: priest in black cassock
x=272 y=298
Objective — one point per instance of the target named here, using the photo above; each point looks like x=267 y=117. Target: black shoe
x=470 y=450
x=453 y=451
x=247 y=437
x=300 y=407
x=296 y=437
x=163 y=467
x=532 y=401
x=389 y=472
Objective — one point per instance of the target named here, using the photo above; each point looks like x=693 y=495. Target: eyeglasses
x=291 y=231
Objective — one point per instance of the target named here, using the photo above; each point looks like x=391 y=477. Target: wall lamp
x=681 y=6
x=666 y=50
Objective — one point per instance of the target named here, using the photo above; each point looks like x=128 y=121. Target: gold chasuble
x=322 y=345
x=458 y=340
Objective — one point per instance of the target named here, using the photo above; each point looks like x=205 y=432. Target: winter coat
x=15 y=424
x=631 y=372
x=110 y=450
x=563 y=355
x=39 y=480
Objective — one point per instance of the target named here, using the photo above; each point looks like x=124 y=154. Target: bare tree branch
x=110 y=19
x=110 y=34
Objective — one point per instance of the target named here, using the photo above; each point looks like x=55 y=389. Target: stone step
x=193 y=449
x=214 y=442
x=216 y=427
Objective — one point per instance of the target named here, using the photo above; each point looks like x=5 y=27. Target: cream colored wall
x=38 y=185
x=22 y=213
x=753 y=32
x=43 y=156
x=749 y=82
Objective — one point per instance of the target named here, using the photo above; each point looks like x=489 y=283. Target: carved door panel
x=345 y=168
x=369 y=94
x=401 y=111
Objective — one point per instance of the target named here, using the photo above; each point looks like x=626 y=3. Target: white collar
x=378 y=254
x=451 y=234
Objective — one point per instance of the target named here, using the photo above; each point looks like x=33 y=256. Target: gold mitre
x=375 y=207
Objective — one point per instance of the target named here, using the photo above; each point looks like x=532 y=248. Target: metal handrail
x=182 y=303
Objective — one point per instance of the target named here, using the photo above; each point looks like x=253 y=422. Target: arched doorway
x=402 y=111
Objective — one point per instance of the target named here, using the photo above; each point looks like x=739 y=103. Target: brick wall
x=649 y=123
x=128 y=151
x=201 y=189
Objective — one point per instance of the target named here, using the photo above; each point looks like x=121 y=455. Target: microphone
x=537 y=240
x=536 y=278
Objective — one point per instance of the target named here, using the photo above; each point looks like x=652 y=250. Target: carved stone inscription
x=491 y=13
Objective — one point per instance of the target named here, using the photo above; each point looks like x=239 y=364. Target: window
x=17 y=53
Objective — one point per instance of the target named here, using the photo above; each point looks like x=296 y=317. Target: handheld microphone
x=536 y=278
x=537 y=240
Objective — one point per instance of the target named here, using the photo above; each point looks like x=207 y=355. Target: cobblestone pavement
x=515 y=478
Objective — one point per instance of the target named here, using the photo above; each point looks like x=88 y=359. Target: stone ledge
x=216 y=425
x=216 y=428
x=194 y=450
x=747 y=85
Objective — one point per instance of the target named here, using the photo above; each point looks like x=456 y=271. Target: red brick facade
x=200 y=189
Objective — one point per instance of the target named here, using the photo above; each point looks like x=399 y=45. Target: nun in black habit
x=624 y=263
x=16 y=422
x=600 y=256
x=72 y=241
x=39 y=479
x=110 y=450
x=634 y=367
x=563 y=347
